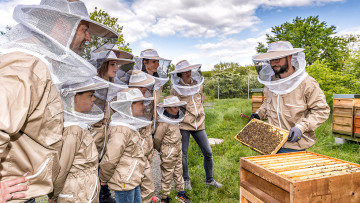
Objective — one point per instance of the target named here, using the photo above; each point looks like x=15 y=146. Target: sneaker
x=154 y=199
x=187 y=185
x=105 y=195
x=167 y=200
x=181 y=196
x=214 y=183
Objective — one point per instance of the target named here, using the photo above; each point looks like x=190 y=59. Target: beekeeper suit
x=39 y=56
x=78 y=179
x=294 y=100
x=124 y=162
x=145 y=82
x=167 y=140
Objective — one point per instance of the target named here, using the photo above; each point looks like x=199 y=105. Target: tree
x=104 y=18
x=317 y=38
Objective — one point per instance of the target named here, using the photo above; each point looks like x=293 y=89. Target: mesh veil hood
x=85 y=119
x=48 y=30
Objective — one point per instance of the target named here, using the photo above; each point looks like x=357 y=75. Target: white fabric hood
x=48 y=29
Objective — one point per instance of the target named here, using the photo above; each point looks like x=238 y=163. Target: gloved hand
x=294 y=134
x=254 y=115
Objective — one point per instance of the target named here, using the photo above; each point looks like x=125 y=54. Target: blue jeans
x=131 y=196
x=203 y=142
x=286 y=150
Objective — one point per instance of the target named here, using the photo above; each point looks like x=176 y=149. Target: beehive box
x=262 y=137
x=298 y=177
x=357 y=122
x=257 y=99
x=343 y=113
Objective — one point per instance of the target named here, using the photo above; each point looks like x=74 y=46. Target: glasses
x=276 y=60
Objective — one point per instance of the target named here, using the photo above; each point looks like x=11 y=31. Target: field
x=223 y=121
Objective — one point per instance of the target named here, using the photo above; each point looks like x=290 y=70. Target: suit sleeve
x=114 y=150
x=318 y=109
x=20 y=92
x=159 y=135
x=71 y=143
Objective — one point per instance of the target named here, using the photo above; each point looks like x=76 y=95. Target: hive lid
x=257 y=90
x=346 y=96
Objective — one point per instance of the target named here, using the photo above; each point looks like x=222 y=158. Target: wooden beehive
x=343 y=113
x=298 y=177
x=357 y=121
x=255 y=141
x=257 y=99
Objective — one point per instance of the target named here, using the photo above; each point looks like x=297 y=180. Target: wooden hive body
x=346 y=116
x=298 y=177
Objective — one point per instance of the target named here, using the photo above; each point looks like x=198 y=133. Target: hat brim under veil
x=266 y=75
x=188 y=90
x=38 y=34
x=162 y=118
x=123 y=115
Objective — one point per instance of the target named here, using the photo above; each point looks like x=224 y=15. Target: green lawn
x=223 y=121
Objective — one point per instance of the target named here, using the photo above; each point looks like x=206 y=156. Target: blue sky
x=209 y=31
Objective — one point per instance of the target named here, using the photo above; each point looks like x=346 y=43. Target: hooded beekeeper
x=294 y=100
x=40 y=55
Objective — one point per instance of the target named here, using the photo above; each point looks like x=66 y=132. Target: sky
x=209 y=31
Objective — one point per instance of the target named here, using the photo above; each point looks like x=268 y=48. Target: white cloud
x=187 y=18
x=146 y=45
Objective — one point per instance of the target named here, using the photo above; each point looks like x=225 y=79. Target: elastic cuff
x=302 y=128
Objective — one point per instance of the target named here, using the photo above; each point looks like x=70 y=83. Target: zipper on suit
x=171 y=151
x=192 y=97
x=105 y=131
x=132 y=171
x=42 y=168
x=277 y=110
x=93 y=195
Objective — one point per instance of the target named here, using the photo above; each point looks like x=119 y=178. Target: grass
x=223 y=121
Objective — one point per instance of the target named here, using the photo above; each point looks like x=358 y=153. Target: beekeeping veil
x=48 y=30
x=83 y=119
x=266 y=75
x=179 y=85
x=122 y=106
x=161 y=76
x=101 y=57
x=171 y=101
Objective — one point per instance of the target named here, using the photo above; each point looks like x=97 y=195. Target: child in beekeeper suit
x=123 y=164
x=78 y=179
x=167 y=140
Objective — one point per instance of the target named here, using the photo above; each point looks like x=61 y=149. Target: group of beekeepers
x=77 y=120
x=79 y=116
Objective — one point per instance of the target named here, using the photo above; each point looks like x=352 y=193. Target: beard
x=284 y=68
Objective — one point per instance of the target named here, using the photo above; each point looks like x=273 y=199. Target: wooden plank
x=344 y=188
x=261 y=195
x=357 y=111
x=343 y=120
x=265 y=174
x=342 y=110
x=343 y=129
x=343 y=102
x=247 y=197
